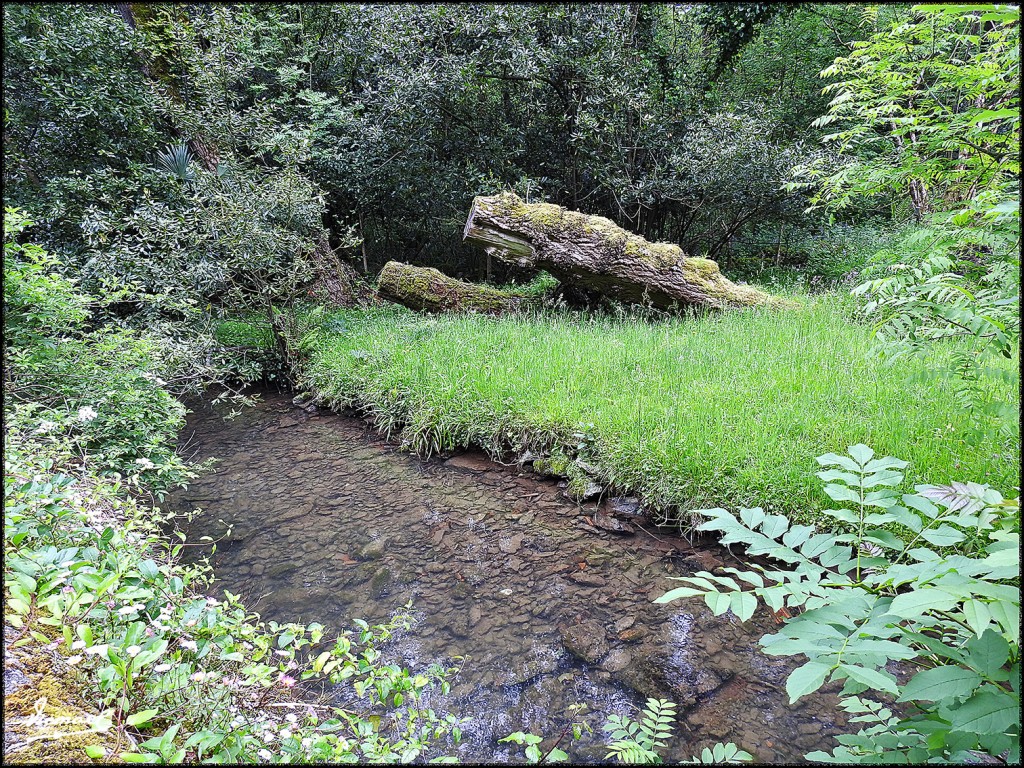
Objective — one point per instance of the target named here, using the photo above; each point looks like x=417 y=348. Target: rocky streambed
x=330 y=523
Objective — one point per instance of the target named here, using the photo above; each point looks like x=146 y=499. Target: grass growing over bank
x=721 y=410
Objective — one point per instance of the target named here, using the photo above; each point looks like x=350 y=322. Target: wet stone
x=586 y=640
x=588 y=579
x=617 y=660
x=510 y=544
x=373 y=550
x=280 y=569
x=380 y=581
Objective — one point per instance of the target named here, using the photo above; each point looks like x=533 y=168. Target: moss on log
x=595 y=254
x=427 y=289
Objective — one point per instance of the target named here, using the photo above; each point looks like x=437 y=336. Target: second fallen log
x=595 y=254
x=427 y=289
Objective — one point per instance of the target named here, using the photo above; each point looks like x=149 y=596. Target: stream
x=331 y=523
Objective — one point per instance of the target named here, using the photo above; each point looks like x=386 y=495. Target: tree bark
x=594 y=254
x=425 y=288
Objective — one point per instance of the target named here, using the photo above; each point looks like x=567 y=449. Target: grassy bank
x=727 y=409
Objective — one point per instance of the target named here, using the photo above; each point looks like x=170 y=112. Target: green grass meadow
x=722 y=410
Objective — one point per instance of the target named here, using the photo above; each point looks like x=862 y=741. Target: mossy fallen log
x=594 y=254
x=427 y=289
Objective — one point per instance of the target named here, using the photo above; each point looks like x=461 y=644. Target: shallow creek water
x=331 y=523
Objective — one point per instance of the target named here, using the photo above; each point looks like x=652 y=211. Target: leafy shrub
x=922 y=579
x=97 y=387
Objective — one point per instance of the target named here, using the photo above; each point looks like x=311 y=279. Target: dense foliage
x=923 y=579
x=190 y=190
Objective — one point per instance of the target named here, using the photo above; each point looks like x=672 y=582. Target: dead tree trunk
x=424 y=288
x=594 y=254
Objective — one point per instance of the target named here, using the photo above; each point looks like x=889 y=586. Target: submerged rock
x=586 y=641
x=380 y=582
x=618 y=659
x=510 y=544
x=471 y=461
x=626 y=506
x=373 y=550
x=608 y=523
x=280 y=569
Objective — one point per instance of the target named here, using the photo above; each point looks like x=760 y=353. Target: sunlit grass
x=720 y=410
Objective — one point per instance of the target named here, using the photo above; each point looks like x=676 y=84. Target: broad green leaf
x=95 y=751
x=743 y=605
x=717 y=602
x=797 y=535
x=1007 y=614
x=844 y=515
x=752 y=517
x=860 y=453
x=850 y=478
x=987 y=653
x=977 y=615
x=989 y=711
x=842 y=493
x=873 y=678
x=678 y=593
x=920 y=504
x=774 y=526
x=884 y=538
x=888 y=462
x=940 y=684
x=911 y=605
x=833 y=459
x=142 y=717
x=806 y=679
x=884 y=477
x=943 y=536
x=751 y=577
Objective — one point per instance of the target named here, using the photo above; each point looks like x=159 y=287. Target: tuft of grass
x=252 y=334
x=727 y=409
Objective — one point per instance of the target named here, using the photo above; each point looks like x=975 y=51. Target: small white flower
x=265 y=754
x=77 y=644
x=189 y=645
x=145 y=463
x=161 y=667
x=286 y=734
x=125 y=610
x=133 y=650
x=291 y=717
x=198 y=677
x=98 y=650
x=45 y=426
x=72 y=660
x=87 y=413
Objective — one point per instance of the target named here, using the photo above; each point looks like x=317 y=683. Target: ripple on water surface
x=329 y=523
